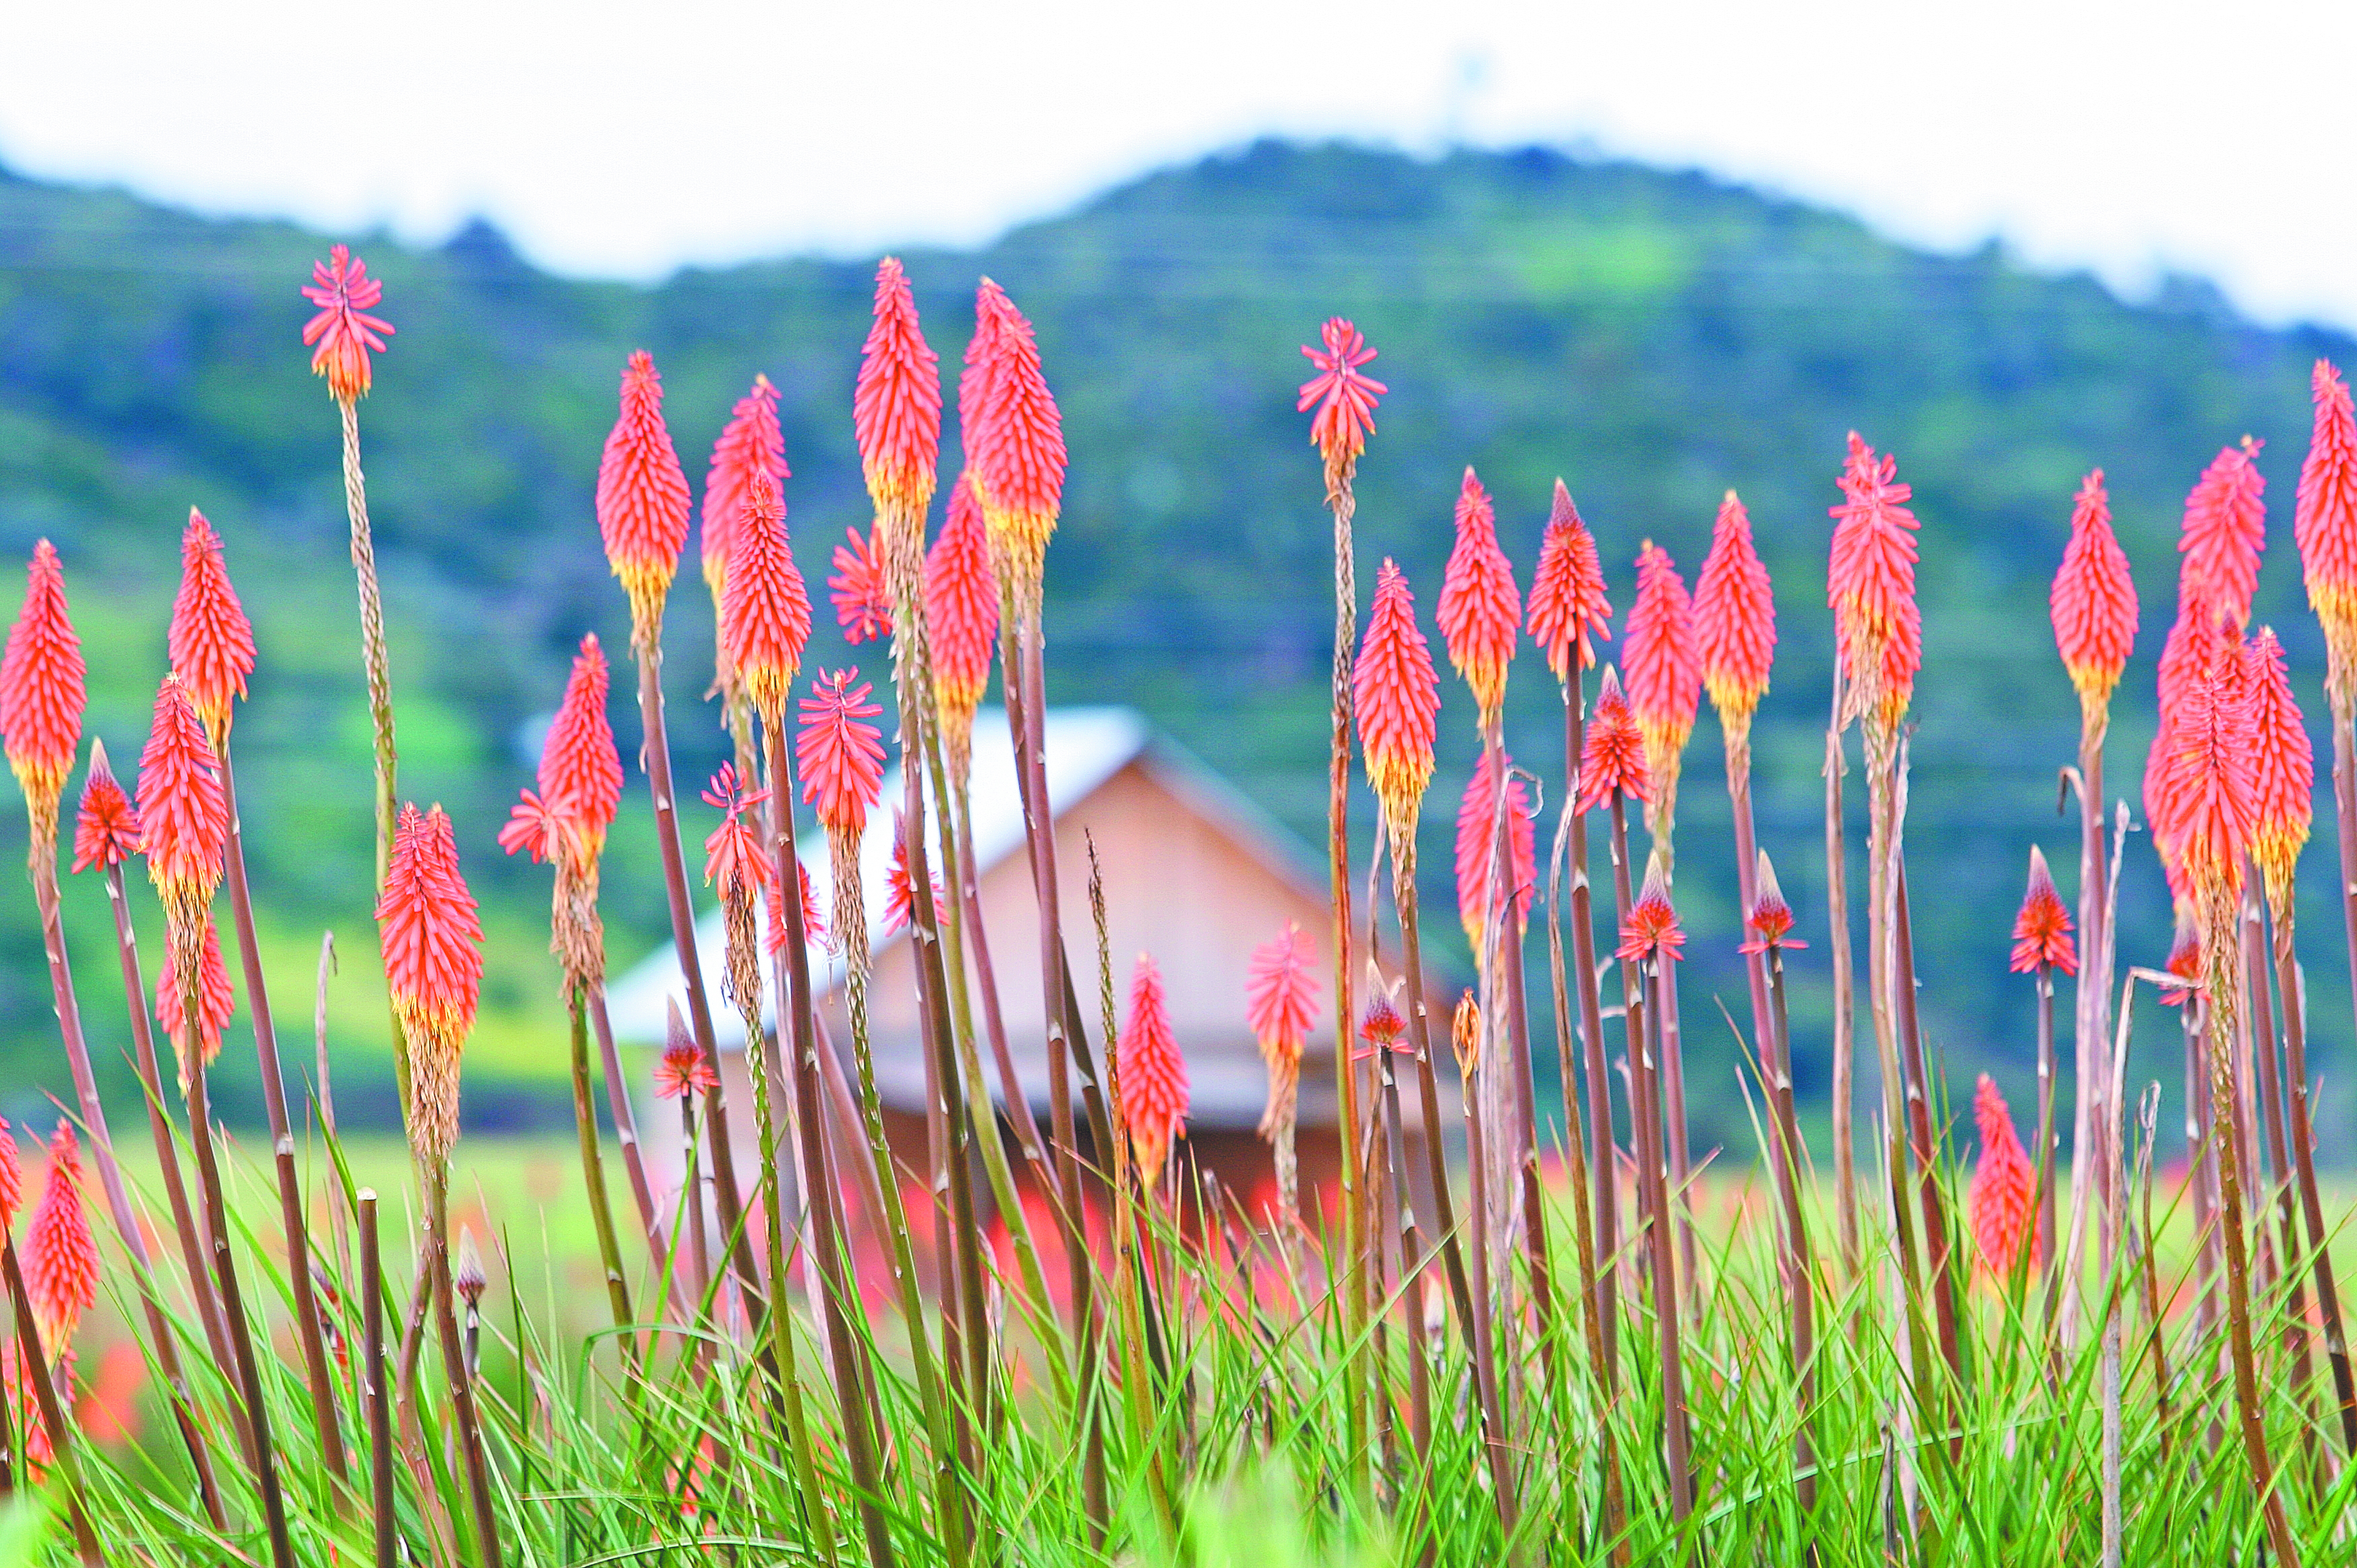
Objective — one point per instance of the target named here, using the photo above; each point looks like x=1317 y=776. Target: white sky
x=625 y=140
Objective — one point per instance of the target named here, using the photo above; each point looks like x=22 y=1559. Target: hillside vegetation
x=1653 y=338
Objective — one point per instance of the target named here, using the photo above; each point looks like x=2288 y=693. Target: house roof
x=1085 y=746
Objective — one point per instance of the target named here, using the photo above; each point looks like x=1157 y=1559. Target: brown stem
x=863 y=1419
x=1939 y=1235
x=1358 y=1302
x=2050 y=1284
x=593 y=1177
x=1845 y=991
x=209 y=1182
x=1603 y=1165
x=655 y=758
x=454 y=1370
x=291 y=1201
x=626 y=1133
x=2263 y=1038
x=373 y=1391
x=1473 y=1315
x=2303 y=1152
x=1800 y=1267
x=1646 y=1095
x=1737 y=737
x=691 y=1206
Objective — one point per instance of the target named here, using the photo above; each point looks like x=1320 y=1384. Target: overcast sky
x=625 y=140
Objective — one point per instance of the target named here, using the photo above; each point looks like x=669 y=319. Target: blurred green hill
x=1654 y=338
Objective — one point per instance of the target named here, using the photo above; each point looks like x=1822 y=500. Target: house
x=1194 y=874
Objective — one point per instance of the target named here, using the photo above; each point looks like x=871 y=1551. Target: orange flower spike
x=2225 y=528
x=2324 y=520
x=749 y=444
x=1479 y=611
x=960 y=606
x=2041 y=930
x=840 y=753
x=896 y=407
x=1663 y=666
x=2093 y=602
x=1567 y=603
x=183 y=812
x=343 y=334
x=1344 y=395
x=216 y=999
x=211 y=642
x=580 y=768
x=1612 y=751
x=764 y=612
x=41 y=688
x=433 y=942
x=857 y=588
x=1153 y=1091
x=106 y=828
x=2213 y=777
x=1475 y=823
x=2002 y=1201
x=734 y=861
x=1651 y=931
x=61 y=1256
x=642 y=501
x=1734 y=620
x=775 y=896
x=1870 y=585
x=2283 y=770
x=1019 y=466
x=974 y=393
x=1397 y=698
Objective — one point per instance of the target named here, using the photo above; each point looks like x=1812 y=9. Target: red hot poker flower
x=1734 y=620
x=211 y=642
x=2283 y=770
x=900 y=897
x=2324 y=519
x=1397 y=698
x=61 y=1256
x=2041 y=930
x=2225 y=528
x=433 y=942
x=642 y=501
x=216 y=1001
x=2094 y=601
x=11 y=1176
x=1664 y=670
x=861 y=596
x=41 y=688
x=1771 y=920
x=974 y=394
x=2184 y=961
x=1870 y=586
x=1153 y=1091
x=813 y=928
x=1612 y=751
x=840 y=753
x=1019 y=467
x=960 y=606
x=749 y=444
x=183 y=812
x=1651 y=931
x=343 y=334
x=683 y=1070
x=106 y=828
x=2004 y=1197
x=765 y=616
x=1567 y=604
x=581 y=769
x=896 y=408
x=734 y=861
x=1344 y=394
x=1281 y=993
x=1476 y=822
x=2213 y=775
x=1479 y=611
x=531 y=826
x=1381 y=1028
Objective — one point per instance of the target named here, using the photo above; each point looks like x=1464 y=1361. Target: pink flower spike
x=343 y=334
x=2004 y=1197
x=862 y=599
x=839 y=752
x=1345 y=397
x=2225 y=528
x=1567 y=603
x=1154 y=1090
x=1479 y=611
x=1734 y=619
